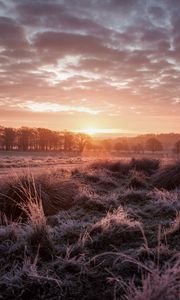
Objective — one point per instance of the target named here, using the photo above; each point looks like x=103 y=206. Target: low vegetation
x=109 y=230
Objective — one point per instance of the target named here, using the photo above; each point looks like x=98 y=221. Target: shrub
x=55 y=195
x=137 y=180
x=131 y=197
x=148 y=166
x=117 y=166
x=168 y=178
x=115 y=229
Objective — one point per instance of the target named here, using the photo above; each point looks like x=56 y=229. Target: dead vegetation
x=108 y=231
x=17 y=191
x=168 y=177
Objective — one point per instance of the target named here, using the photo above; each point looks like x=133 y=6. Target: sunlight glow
x=65 y=70
x=45 y=107
x=97 y=131
x=90 y=131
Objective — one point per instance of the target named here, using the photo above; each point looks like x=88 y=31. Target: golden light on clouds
x=66 y=66
x=45 y=107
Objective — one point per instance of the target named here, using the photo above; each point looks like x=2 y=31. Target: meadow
x=106 y=229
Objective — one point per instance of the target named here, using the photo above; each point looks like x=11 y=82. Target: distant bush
x=176 y=149
x=137 y=181
x=145 y=165
x=148 y=166
x=168 y=177
x=117 y=166
x=153 y=145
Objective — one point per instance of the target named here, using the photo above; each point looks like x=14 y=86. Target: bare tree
x=121 y=146
x=107 y=145
x=24 y=138
x=177 y=147
x=8 y=137
x=154 y=145
x=138 y=148
x=82 y=140
x=68 y=141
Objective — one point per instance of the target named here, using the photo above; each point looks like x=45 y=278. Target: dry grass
x=19 y=191
x=103 y=232
x=168 y=177
x=161 y=285
x=148 y=166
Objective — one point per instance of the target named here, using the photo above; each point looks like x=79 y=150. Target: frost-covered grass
x=106 y=231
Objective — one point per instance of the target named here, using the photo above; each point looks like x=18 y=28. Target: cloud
x=12 y=34
x=45 y=107
x=108 y=55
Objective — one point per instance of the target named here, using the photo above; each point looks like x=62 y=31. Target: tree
x=121 y=146
x=154 y=145
x=68 y=141
x=107 y=145
x=177 y=147
x=138 y=148
x=43 y=134
x=24 y=138
x=82 y=140
x=1 y=136
x=55 y=140
x=8 y=137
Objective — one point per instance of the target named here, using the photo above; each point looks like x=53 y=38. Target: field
x=37 y=162
x=75 y=229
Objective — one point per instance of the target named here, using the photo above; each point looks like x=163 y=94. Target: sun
x=90 y=131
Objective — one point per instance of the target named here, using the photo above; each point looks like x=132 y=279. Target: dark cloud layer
x=112 y=59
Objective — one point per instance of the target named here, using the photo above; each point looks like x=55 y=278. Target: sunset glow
x=90 y=131
x=106 y=131
x=55 y=107
x=69 y=64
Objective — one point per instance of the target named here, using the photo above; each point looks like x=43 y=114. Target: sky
x=111 y=66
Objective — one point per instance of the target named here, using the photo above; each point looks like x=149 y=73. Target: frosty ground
x=104 y=230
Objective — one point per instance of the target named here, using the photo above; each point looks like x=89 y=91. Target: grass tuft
x=168 y=177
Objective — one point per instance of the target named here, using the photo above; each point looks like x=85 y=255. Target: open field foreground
x=17 y=162
x=12 y=161
x=108 y=230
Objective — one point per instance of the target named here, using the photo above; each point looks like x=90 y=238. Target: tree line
x=42 y=139
x=152 y=144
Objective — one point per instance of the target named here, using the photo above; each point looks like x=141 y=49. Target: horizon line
x=100 y=132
